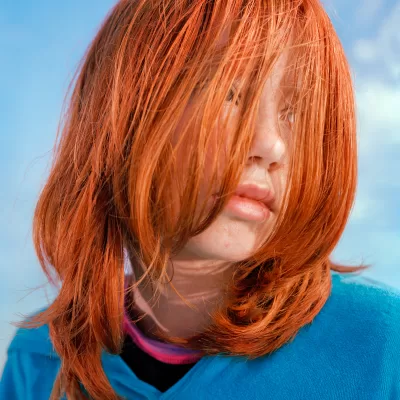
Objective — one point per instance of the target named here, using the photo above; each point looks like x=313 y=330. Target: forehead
x=283 y=81
x=282 y=74
x=283 y=70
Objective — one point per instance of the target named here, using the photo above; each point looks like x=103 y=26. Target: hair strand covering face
x=108 y=187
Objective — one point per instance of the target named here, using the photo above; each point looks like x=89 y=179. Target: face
x=231 y=237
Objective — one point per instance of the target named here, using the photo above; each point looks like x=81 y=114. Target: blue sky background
x=41 y=43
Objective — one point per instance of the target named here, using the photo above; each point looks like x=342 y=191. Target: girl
x=205 y=171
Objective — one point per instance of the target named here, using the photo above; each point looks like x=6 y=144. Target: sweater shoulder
x=349 y=350
x=359 y=321
x=33 y=340
x=356 y=297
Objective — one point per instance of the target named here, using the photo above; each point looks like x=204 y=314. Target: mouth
x=253 y=199
x=247 y=209
x=259 y=193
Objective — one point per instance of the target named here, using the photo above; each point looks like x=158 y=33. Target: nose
x=268 y=145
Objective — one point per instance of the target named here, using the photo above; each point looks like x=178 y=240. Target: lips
x=256 y=192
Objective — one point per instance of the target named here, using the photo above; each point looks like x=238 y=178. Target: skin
x=204 y=266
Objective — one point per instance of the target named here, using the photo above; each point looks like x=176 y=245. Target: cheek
x=216 y=154
x=279 y=180
x=211 y=152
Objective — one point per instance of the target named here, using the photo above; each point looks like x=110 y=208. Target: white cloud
x=384 y=49
x=378 y=112
x=365 y=51
x=378 y=87
x=378 y=106
x=362 y=208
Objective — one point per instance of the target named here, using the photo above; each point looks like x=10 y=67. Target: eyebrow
x=289 y=89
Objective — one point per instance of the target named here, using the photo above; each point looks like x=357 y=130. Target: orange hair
x=108 y=188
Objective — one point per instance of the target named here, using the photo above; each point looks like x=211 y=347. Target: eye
x=231 y=95
x=289 y=115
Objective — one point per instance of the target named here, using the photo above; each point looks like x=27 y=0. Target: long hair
x=108 y=188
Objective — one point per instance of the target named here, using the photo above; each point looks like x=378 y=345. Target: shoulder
x=358 y=331
x=31 y=366
x=365 y=310
x=350 y=350
x=362 y=299
x=35 y=340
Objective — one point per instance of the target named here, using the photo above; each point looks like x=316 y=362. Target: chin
x=227 y=239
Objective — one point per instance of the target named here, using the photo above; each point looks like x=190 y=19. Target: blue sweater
x=351 y=351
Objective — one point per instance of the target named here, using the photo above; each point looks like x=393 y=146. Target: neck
x=200 y=283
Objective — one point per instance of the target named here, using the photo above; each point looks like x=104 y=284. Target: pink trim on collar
x=164 y=352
